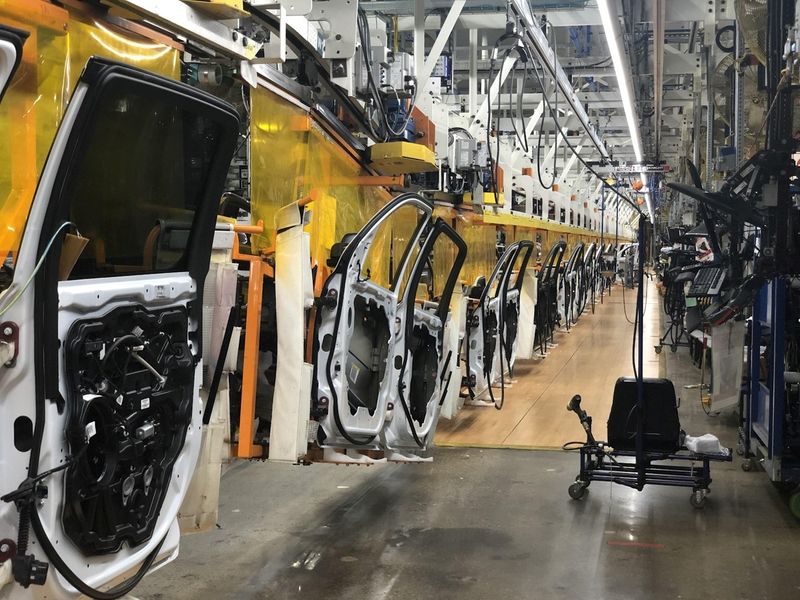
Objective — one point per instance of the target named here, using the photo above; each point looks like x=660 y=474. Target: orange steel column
x=252 y=337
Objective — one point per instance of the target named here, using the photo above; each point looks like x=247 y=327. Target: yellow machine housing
x=488 y=198
x=399 y=158
x=221 y=9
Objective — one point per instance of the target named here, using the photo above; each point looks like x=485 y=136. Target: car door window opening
x=130 y=348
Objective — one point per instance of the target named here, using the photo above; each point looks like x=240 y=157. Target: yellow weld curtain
x=481 y=242
x=57 y=49
x=291 y=156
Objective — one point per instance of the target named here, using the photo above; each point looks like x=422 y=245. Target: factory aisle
x=587 y=361
x=486 y=524
x=482 y=525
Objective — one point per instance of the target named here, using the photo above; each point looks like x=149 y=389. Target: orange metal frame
x=252 y=338
x=252 y=334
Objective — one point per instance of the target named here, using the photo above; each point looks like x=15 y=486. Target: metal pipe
x=546 y=56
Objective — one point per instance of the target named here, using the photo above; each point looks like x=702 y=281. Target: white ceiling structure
x=666 y=52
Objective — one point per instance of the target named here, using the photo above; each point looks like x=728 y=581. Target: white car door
x=488 y=331
x=572 y=274
x=421 y=366
x=515 y=278
x=356 y=327
x=101 y=413
x=11 y=42
x=549 y=278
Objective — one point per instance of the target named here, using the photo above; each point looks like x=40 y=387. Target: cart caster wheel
x=794 y=504
x=673 y=349
x=747 y=465
x=658 y=349
x=578 y=490
x=698 y=499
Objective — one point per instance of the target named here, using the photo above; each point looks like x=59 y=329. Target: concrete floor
x=488 y=524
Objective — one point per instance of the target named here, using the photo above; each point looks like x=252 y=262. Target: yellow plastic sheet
x=29 y=115
x=481 y=243
x=89 y=37
x=55 y=53
x=290 y=157
x=279 y=137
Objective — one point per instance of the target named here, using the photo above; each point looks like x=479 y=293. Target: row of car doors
x=107 y=350
x=380 y=359
x=490 y=349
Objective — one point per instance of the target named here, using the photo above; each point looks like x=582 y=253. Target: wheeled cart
x=602 y=463
x=662 y=458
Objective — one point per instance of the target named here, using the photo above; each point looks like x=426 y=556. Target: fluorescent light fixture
x=608 y=15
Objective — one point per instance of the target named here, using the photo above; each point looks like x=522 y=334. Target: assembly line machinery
x=245 y=229
x=734 y=259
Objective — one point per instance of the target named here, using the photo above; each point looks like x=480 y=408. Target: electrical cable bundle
x=558 y=129
x=525 y=52
x=524 y=55
x=583 y=161
x=387 y=130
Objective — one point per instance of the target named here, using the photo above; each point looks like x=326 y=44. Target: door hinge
x=9 y=343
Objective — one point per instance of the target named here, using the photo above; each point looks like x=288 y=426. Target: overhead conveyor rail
x=546 y=55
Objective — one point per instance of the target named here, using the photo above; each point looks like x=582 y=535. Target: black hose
x=231 y=204
x=539 y=160
x=523 y=56
x=233 y=316
x=75 y=581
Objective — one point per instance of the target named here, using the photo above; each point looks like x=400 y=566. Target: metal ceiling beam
x=538 y=42
x=403 y=7
x=658 y=8
x=604 y=99
x=462 y=65
x=419 y=35
x=439 y=44
x=482 y=116
x=531 y=100
x=571 y=162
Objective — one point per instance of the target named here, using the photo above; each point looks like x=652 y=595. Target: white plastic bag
x=705 y=444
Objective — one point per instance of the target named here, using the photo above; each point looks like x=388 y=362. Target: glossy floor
x=481 y=524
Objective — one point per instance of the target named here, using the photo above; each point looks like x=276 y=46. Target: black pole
x=640 y=404
x=780 y=15
x=602 y=215
x=616 y=240
x=233 y=317
x=601 y=260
